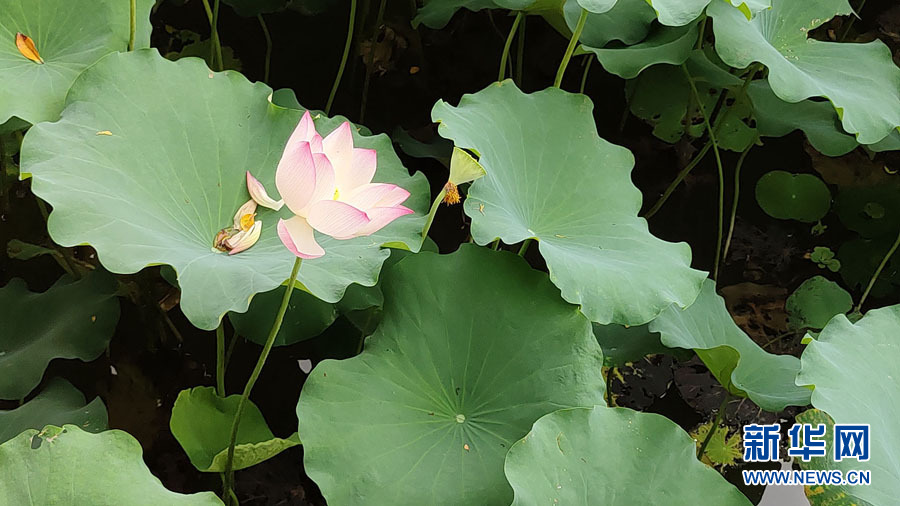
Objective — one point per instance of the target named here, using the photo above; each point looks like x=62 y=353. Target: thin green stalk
x=208 y=9
x=678 y=179
x=721 y=171
x=880 y=268
x=702 y=37
x=584 y=77
x=133 y=26
x=846 y=32
x=347 y=46
x=231 y=345
x=715 y=426
x=218 y=62
x=571 y=48
x=524 y=249
x=432 y=212
x=220 y=359
x=268 y=36
x=379 y=20
x=270 y=341
x=509 y=38
x=734 y=203
x=520 y=54
x=68 y=262
x=495 y=245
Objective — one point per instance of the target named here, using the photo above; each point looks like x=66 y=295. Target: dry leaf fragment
x=104 y=132
x=466 y=447
x=26 y=47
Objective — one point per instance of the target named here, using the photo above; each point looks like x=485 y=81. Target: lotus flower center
x=337 y=194
x=460 y=418
x=247 y=221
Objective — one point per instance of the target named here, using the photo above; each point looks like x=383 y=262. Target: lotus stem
x=880 y=268
x=433 y=212
x=584 y=77
x=220 y=358
x=520 y=54
x=270 y=341
x=678 y=179
x=218 y=62
x=509 y=38
x=715 y=426
x=721 y=171
x=862 y=3
x=571 y=48
x=347 y=45
x=524 y=248
x=734 y=203
x=268 y=36
x=133 y=25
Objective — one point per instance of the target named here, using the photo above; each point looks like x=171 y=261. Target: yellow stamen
x=337 y=194
x=452 y=194
x=247 y=221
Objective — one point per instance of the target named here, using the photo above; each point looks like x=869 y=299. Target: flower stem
x=265 y=30
x=678 y=179
x=846 y=31
x=734 y=203
x=218 y=62
x=379 y=20
x=587 y=70
x=520 y=56
x=571 y=48
x=721 y=171
x=68 y=262
x=509 y=38
x=715 y=425
x=880 y=268
x=347 y=46
x=524 y=249
x=270 y=341
x=220 y=359
x=432 y=212
x=133 y=26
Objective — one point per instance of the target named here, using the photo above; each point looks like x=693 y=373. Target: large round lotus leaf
x=815 y=302
x=473 y=348
x=590 y=456
x=201 y=422
x=629 y=22
x=306 y=317
x=551 y=177
x=818 y=120
x=665 y=45
x=872 y=211
x=437 y=13
x=69 y=35
x=58 y=403
x=682 y=12
x=251 y=8
x=73 y=319
x=171 y=174
x=800 y=67
x=69 y=467
x=854 y=369
x=621 y=344
x=732 y=357
x=786 y=196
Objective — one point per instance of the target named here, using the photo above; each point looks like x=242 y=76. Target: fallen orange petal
x=26 y=47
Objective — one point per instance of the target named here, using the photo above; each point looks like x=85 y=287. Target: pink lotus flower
x=327 y=184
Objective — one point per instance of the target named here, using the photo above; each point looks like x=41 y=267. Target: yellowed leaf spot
x=104 y=132
x=466 y=447
x=26 y=47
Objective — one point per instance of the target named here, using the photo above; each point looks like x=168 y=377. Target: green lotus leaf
x=58 y=403
x=818 y=120
x=473 y=348
x=622 y=344
x=872 y=211
x=800 y=67
x=629 y=22
x=786 y=196
x=597 y=6
x=732 y=357
x=825 y=495
x=815 y=302
x=853 y=370
x=664 y=45
x=682 y=12
x=250 y=8
x=588 y=456
x=66 y=466
x=306 y=317
x=437 y=13
x=889 y=143
x=201 y=422
x=70 y=35
x=559 y=182
x=171 y=175
x=73 y=319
